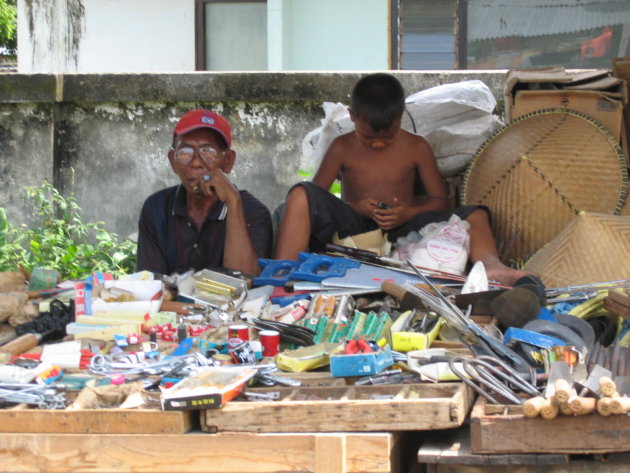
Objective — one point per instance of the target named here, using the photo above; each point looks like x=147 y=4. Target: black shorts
x=330 y=215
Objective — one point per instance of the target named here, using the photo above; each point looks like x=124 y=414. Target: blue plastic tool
x=283 y=301
x=514 y=334
x=316 y=268
x=275 y=272
x=183 y=347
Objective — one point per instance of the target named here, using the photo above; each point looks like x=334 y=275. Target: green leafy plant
x=62 y=241
x=8 y=26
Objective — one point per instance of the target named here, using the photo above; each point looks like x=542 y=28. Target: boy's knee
x=297 y=196
x=478 y=215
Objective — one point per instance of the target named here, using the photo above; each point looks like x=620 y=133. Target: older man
x=205 y=221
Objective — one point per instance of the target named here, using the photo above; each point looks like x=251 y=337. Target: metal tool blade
x=592 y=381
x=453 y=314
x=557 y=370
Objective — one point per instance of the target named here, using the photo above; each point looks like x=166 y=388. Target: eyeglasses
x=207 y=153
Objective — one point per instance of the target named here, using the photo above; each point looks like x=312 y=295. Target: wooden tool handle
x=531 y=407
x=607 y=386
x=582 y=405
x=603 y=406
x=549 y=409
x=620 y=405
x=181 y=308
x=563 y=390
x=21 y=344
x=564 y=408
x=393 y=289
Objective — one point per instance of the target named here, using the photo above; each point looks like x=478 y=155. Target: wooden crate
x=504 y=429
x=617 y=302
x=95 y=421
x=346 y=409
x=199 y=453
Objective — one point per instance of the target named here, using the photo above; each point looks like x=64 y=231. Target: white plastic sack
x=336 y=122
x=454 y=118
x=443 y=246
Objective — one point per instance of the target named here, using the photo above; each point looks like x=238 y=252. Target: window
x=231 y=35
x=498 y=34
x=427 y=34
x=535 y=33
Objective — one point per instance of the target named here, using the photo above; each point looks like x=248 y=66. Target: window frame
x=200 y=29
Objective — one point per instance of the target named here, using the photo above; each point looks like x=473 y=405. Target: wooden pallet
x=199 y=453
x=448 y=452
x=347 y=409
x=504 y=429
x=96 y=421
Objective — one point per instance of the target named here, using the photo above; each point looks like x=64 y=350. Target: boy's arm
x=330 y=167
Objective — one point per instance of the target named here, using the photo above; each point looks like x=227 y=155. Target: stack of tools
x=570 y=392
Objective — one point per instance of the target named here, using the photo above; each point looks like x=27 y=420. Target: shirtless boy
x=378 y=162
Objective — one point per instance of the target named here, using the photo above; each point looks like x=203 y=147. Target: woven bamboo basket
x=537 y=173
x=592 y=248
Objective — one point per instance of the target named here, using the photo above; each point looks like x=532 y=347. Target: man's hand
x=218 y=184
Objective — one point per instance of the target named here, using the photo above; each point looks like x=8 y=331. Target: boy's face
x=376 y=139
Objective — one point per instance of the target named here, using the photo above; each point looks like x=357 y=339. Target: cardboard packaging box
x=405 y=340
x=361 y=364
x=147 y=297
x=595 y=93
x=209 y=388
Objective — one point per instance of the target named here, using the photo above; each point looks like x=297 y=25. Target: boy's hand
x=392 y=217
x=365 y=206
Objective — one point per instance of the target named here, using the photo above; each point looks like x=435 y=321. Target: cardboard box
x=148 y=295
x=209 y=388
x=212 y=288
x=595 y=93
x=603 y=108
x=306 y=358
x=404 y=340
x=361 y=364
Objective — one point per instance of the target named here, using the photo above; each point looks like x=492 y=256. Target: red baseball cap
x=195 y=119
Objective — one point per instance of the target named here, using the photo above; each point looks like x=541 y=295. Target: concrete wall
x=106 y=35
x=87 y=36
x=105 y=137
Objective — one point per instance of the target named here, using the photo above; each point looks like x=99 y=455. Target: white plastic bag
x=454 y=118
x=336 y=122
x=442 y=246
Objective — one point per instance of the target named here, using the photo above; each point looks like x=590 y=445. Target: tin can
x=237 y=334
x=270 y=341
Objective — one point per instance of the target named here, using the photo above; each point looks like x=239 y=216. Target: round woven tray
x=539 y=172
x=592 y=248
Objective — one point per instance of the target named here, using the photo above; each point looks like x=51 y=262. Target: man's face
x=197 y=153
x=376 y=139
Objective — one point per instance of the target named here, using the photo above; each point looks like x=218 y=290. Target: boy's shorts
x=329 y=214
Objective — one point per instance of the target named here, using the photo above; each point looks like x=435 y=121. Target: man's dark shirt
x=168 y=241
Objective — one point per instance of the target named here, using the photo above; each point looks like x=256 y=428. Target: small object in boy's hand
x=383 y=205
x=206 y=177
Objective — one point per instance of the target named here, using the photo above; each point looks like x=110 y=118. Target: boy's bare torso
x=386 y=174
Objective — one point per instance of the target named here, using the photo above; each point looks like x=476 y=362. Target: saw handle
x=21 y=344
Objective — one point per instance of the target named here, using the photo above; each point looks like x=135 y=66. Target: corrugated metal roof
x=504 y=18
